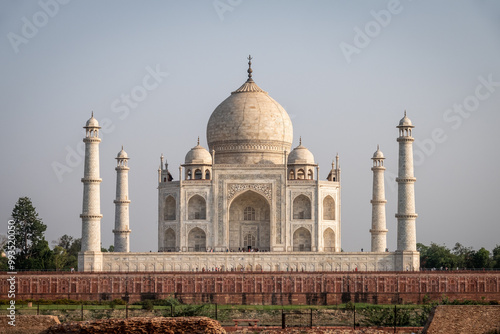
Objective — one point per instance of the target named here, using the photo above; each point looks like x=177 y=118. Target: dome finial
x=92 y=113
x=405 y=112
x=378 y=147
x=198 y=143
x=249 y=68
x=300 y=140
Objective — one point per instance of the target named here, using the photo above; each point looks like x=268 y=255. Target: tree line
x=32 y=251
x=459 y=257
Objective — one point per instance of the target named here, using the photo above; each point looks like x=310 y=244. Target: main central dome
x=249 y=127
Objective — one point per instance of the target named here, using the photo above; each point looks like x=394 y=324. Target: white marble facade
x=247 y=208
x=252 y=202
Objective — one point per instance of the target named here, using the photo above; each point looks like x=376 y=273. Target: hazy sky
x=153 y=72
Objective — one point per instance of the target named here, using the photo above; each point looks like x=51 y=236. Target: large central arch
x=249 y=222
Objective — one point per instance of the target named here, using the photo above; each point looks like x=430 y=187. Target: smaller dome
x=198 y=155
x=92 y=122
x=405 y=121
x=301 y=155
x=378 y=154
x=122 y=154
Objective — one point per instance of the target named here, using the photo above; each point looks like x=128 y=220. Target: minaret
x=91 y=211
x=337 y=164
x=406 y=215
x=378 y=230
x=160 y=170
x=122 y=231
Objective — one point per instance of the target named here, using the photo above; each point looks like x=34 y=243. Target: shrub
x=117 y=301
x=170 y=301
x=65 y=301
x=385 y=317
x=193 y=310
x=350 y=306
x=148 y=305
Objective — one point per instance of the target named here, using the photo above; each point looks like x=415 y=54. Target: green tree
x=482 y=258
x=60 y=257
x=43 y=258
x=464 y=256
x=3 y=259
x=436 y=256
x=111 y=248
x=495 y=263
x=72 y=247
x=32 y=251
x=65 y=241
x=424 y=256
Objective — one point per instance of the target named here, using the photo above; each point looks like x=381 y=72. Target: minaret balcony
x=406 y=215
x=83 y=215
x=121 y=201
x=380 y=201
x=406 y=179
x=91 y=180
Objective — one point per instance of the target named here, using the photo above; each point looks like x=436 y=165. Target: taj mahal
x=250 y=202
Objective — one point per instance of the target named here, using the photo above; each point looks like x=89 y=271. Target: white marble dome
x=198 y=155
x=405 y=121
x=92 y=122
x=378 y=154
x=301 y=155
x=249 y=127
x=122 y=154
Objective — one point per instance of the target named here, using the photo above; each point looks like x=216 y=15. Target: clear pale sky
x=344 y=70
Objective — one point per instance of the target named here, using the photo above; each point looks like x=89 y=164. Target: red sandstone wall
x=311 y=288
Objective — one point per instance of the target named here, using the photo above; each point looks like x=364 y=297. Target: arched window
x=197 y=208
x=302 y=207
x=300 y=174
x=249 y=213
x=302 y=240
x=169 y=209
x=197 y=240
x=169 y=242
x=189 y=175
x=207 y=175
x=329 y=240
x=328 y=208
x=291 y=175
x=197 y=174
x=310 y=174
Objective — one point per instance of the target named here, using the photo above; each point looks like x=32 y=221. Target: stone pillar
x=406 y=196
x=378 y=230
x=122 y=202
x=91 y=211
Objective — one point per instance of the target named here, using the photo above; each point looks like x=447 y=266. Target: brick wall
x=312 y=288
